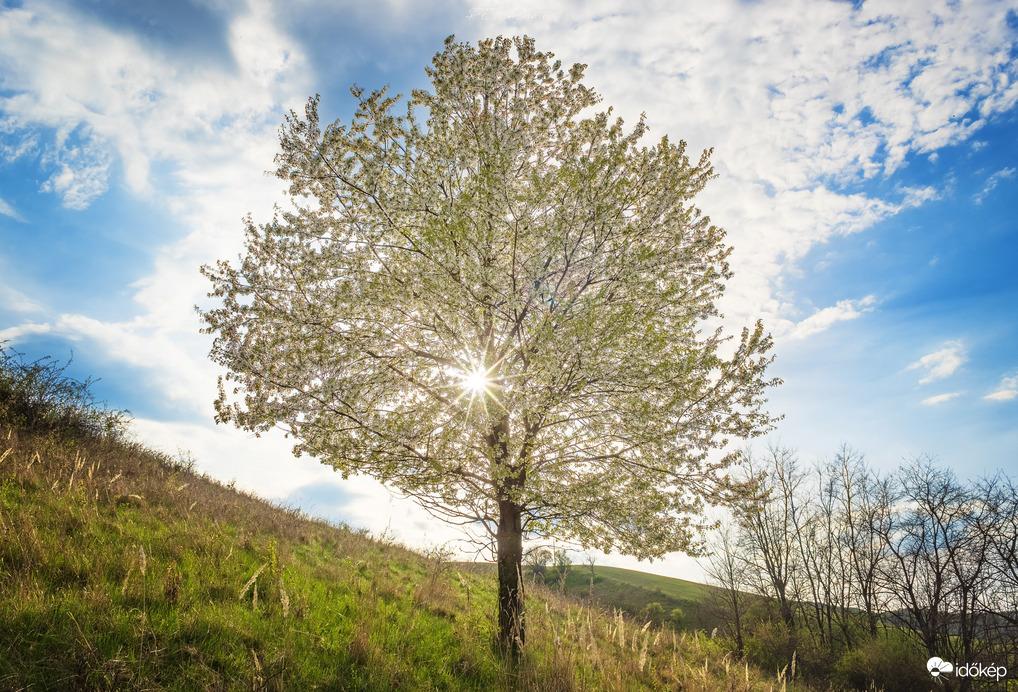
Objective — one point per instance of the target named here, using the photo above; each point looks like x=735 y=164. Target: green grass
x=124 y=569
x=133 y=576
x=677 y=589
x=632 y=592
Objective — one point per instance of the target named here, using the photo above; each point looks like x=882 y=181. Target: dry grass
x=121 y=568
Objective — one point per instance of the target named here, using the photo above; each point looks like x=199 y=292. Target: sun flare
x=476 y=381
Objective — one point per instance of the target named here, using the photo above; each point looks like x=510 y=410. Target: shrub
x=890 y=662
x=770 y=645
x=654 y=612
x=38 y=396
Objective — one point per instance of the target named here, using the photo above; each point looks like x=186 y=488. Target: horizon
x=866 y=157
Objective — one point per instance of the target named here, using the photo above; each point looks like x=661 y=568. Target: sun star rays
x=479 y=383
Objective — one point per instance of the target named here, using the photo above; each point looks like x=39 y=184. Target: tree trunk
x=738 y=626
x=511 y=621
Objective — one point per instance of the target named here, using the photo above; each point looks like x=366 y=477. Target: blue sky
x=868 y=171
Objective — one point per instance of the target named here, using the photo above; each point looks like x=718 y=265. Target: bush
x=770 y=645
x=38 y=396
x=654 y=612
x=890 y=662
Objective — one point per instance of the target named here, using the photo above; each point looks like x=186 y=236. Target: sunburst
x=476 y=381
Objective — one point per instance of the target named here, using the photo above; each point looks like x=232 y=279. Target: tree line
x=844 y=557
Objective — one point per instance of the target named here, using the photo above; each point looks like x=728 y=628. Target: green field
x=632 y=592
x=678 y=589
x=124 y=569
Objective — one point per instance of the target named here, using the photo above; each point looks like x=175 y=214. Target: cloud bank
x=804 y=102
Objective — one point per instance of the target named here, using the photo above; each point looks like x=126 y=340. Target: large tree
x=496 y=307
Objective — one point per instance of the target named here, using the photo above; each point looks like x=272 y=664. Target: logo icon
x=937 y=665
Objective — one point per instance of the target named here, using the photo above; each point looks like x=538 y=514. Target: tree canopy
x=495 y=302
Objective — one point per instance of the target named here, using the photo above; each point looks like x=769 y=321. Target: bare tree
x=728 y=571
x=918 y=548
x=590 y=560
x=815 y=520
x=921 y=540
x=537 y=560
x=768 y=536
x=987 y=570
x=866 y=505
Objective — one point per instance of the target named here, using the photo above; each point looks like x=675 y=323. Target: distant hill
x=632 y=592
x=678 y=589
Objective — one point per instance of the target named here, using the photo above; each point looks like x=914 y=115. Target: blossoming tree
x=495 y=304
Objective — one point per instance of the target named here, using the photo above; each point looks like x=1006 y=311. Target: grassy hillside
x=121 y=568
x=637 y=593
x=676 y=589
x=632 y=592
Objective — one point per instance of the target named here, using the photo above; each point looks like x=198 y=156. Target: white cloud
x=82 y=170
x=108 y=94
x=14 y=299
x=942 y=363
x=823 y=319
x=1007 y=390
x=939 y=398
x=992 y=182
x=797 y=98
x=15 y=141
x=7 y=210
x=14 y=334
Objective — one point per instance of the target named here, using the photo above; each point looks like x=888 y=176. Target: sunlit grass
x=123 y=568
x=143 y=574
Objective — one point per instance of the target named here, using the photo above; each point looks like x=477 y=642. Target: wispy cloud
x=16 y=141
x=14 y=299
x=992 y=182
x=132 y=104
x=1007 y=390
x=939 y=398
x=15 y=334
x=81 y=169
x=942 y=363
x=7 y=210
x=823 y=319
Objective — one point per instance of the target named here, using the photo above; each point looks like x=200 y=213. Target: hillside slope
x=637 y=593
x=121 y=568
